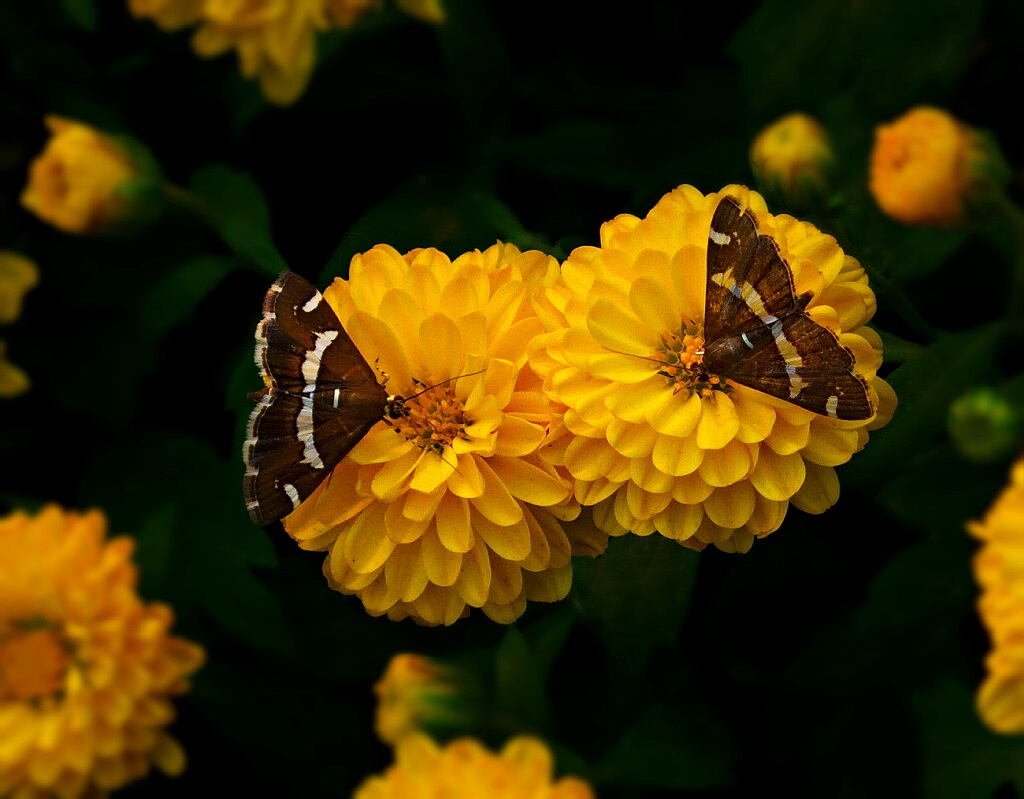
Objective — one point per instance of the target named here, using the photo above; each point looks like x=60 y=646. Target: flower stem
x=187 y=201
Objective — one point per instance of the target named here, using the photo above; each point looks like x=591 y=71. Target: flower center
x=433 y=419
x=682 y=351
x=34 y=659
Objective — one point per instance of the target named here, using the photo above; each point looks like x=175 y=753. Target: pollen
x=33 y=662
x=433 y=419
x=682 y=351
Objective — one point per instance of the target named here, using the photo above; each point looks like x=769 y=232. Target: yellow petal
x=17 y=275
x=756 y=418
x=778 y=477
x=691 y=489
x=366 y=545
x=453 y=524
x=400 y=528
x=474 y=583
x=466 y=481
x=405 y=573
x=506 y=580
x=674 y=414
x=517 y=437
x=678 y=521
x=619 y=331
x=530 y=483
x=718 y=423
x=631 y=440
x=645 y=504
x=730 y=506
x=421 y=282
x=431 y=473
x=785 y=438
x=677 y=456
x=722 y=467
x=629 y=401
x=589 y=458
x=820 y=490
x=441 y=342
x=420 y=506
x=689 y=274
x=442 y=564
x=496 y=504
x=829 y=446
x=394 y=476
x=650 y=301
x=510 y=542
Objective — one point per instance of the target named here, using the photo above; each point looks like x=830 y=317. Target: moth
x=756 y=331
x=321 y=397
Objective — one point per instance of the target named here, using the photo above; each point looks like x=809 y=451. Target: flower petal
x=731 y=506
x=453 y=524
x=442 y=565
x=718 y=423
x=619 y=331
x=820 y=490
x=366 y=545
x=496 y=504
x=778 y=477
x=722 y=467
x=528 y=482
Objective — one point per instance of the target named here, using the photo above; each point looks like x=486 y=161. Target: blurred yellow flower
x=87 y=182
x=999 y=570
x=465 y=770
x=418 y=693
x=793 y=158
x=87 y=670
x=275 y=39
x=451 y=506
x=17 y=276
x=927 y=165
x=716 y=467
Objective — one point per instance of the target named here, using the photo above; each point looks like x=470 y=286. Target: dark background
x=839 y=657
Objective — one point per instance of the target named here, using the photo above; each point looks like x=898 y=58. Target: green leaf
x=520 y=702
x=82 y=12
x=677 y=748
x=636 y=596
x=234 y=204
x=959 y=756
x=925 y=388
x=174 y=297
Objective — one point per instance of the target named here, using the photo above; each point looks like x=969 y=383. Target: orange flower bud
x=927 y=166
x=793 y=158
x=87 y=182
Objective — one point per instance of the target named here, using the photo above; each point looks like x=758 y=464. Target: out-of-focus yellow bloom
x=999 y=570
x=345 y=13
x=17 y=276
x=927 y=166
x=717 y=468
x=466 y=770
x=87 y=182
x=418 y=693
x=453 y=505
x=87 y=670
x=426 y=10
x=792 y=158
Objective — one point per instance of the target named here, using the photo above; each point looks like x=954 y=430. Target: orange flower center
x=34 y=659
x=432 y=419
x=682 y=352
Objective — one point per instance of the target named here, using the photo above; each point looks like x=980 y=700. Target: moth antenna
x=442 y=383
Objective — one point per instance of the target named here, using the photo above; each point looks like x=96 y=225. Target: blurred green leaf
x=235 y=205
x=675 y=748
x=82 y=12
x=174 y=297
x=636 y=596
x=925 y=387
x=520 y=702
x=960 y=757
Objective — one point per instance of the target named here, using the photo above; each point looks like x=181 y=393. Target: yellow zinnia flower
x=927 y=164
x=714 y=466
x=17 y=276
x=450 y=506
x=793 y=158
x=87 y=182
x=465 y=770
x=999 y=570
x=418 y=693
x=87 y=670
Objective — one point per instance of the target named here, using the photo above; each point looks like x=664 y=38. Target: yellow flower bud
x=927 y=167
x=417 y=693
x=87 y=182
x=793 y=159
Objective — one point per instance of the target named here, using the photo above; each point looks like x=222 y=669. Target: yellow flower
x=87 y=182
x=87 y=670
x=451 y=506
x=927 y=165
x=426 y=10
x=418 y=693
x=17 y=275
x=700 y=467
x=999 y=570
x=168 y=14
x=793 y=158
x=345 y=13
x=465 y=770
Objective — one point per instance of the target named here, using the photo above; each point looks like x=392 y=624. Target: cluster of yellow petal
x=999 y=570
x=17 y=275
x=465 y=770
x=927 y=164
x=74 y=183
x=87 y=670
x=793 y=157
x=275 y=39
x=452 y=505
x=718 y=469
x=418 y=693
